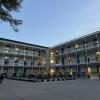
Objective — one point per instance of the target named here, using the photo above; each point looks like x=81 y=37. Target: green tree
x=8 y=6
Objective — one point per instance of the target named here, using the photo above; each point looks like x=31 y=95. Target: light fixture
x=51 y=62
x=52 y=53
x=98 y=52
x=17 y=49
x=89 y=70
x=52 y=71
x=76 y=46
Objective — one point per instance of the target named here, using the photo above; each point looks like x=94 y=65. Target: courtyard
x=54 y=90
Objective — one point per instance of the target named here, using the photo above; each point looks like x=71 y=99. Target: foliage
x=8 y=6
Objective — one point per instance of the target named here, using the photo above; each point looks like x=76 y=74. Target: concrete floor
x=61 y=90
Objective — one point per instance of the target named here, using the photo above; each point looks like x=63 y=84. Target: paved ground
x=61 y=90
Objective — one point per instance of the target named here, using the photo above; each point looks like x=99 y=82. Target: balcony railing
x=72 y=63
x=91 y=45
x=80 y=61
x=1 y=49
x=71 y=50
x=18 y=64
x=28 y=64
x=12 y=51
x=93 y=61
x=1 y=63
x=80 y=48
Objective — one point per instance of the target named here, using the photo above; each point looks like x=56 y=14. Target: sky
x=50 y=22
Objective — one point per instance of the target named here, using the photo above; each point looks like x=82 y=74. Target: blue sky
x=49 y=22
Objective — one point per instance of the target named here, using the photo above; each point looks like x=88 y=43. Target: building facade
x=79 y=57
x=19 y=58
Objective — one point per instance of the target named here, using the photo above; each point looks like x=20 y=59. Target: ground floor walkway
x=56 y=90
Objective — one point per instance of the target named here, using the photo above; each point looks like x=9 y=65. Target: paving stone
x=56 y=90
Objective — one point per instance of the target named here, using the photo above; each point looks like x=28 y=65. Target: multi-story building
x=19 y=58
x=78 y=57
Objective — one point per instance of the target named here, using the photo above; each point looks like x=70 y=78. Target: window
x=6 y=60
x=68 y=47
x=33 y=52
x=62 y=60
x=39 y=54
x=16 y=60
x=26 y=51
x=33 y=61
x=78 y=60
x=43 y=60
x=95 y=42
x=62 y=50
x=88 y=59
x=17 y=50
x=25 y=61
x=57 y=52
x=7 y=49
x=85 y=58
x=69 y=60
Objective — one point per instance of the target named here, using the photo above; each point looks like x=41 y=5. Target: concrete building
x=19 y=58
x=79 y=57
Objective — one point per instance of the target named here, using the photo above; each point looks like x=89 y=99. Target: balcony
x=28 y=54
x=90 y=61
x=21 y=53
x=93 y=61
x=91 y=45
x=1 y=63
x=35 y=54
x=72 y=63
x=28 y=64
x=81 y=47
x=1 y=50
x=81 y=61
x=99 y=43
x=35 y=65
x=57 y=53
x=71 y=50
x=18 y=64
x=8 y=63
x=8 y=51
x=58 y=64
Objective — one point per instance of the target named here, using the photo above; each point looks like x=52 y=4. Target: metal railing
x=81 y=47
x=66 y=63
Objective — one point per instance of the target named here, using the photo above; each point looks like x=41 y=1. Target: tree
x=8 y=6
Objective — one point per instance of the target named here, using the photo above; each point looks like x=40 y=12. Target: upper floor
x=79 y=44
x=83 y=50
x=14 y=53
